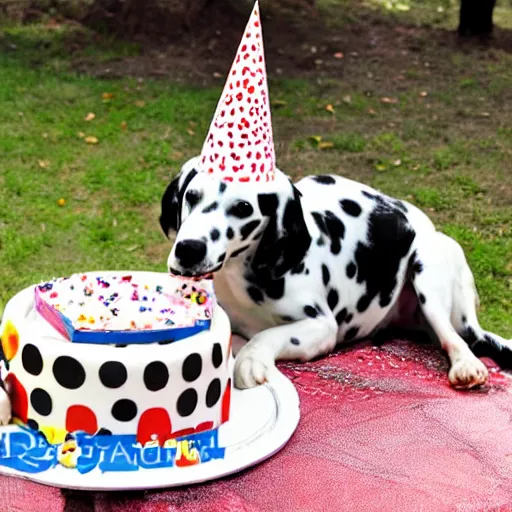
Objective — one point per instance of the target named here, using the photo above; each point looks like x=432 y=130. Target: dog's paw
x=5 y=408
x=467 y=373
x=253 y=366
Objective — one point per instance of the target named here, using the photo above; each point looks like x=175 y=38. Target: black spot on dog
x=331 y=226
x=386 y=200
x=284 y=243
x=294 y=341
x=211 y=207
x=414 y=266
x=222 y=257
x=268 y=204
x=255 y=294
x=351 y=270
x=240 y=210
x=172 y=203
x=464 y=319
x=307 y=271
x=275 y=289
x=298 y=269
x=214 y=234
x=248 y=228
x=469 y=336
x=332 y=299
x=320 y=242
x=348 y=318
x=230 y=233
x=350 y=207
x=193 y=197
x=422 y=298
x=287 y=318
x=222 y=187
x=351 y=333
x=340 y=317
x=324 y=179
x=310 y=311
x=326 y=276
x=390 y=237
x=240 y=251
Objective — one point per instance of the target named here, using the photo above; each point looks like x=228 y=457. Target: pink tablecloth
x=380 y=430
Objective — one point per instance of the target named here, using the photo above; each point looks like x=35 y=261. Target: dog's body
x=322 y=262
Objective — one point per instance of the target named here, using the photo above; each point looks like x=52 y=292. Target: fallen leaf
x=177 y=155
x=485 y=114
x=398 y=162
x=107 y=96
x=44 y=135
x=140 y=103
x=371 y=111
x=279 y=103
x=387 y=100
x=123 y=125
x=325 y=145
x=91 y=140
x=347 y=99
x=216 y=74
x=380 y=167
x=61 y=202
x=132 y=248
x=81 y=135
x=43 y=163
x=316 y=138
x=90 y=116
x=190 y=132
x=338 y=55
x=423 y=94
x=329 y=108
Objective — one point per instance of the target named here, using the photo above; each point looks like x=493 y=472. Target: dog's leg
x=303 y=340
x=437 y=286
x=5 y=407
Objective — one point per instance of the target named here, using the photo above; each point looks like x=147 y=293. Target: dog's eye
x=193 y=197
x=240 y=209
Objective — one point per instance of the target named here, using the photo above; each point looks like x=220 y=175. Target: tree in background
x=476 y=17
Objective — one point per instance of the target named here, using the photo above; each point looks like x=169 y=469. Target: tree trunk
x=476 y=17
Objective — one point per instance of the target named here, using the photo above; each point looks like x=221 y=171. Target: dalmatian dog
x=302 y=267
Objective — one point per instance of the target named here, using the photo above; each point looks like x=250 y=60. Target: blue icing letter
x=120 y=453
x=27 y=452
x=156 y=457
x=207 y=444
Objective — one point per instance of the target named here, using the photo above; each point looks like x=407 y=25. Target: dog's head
x=217 y=222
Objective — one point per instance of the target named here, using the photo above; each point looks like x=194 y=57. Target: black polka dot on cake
x=187 y=402
x=41 y=402
x=217 y=355
x=113 y=374
x=68 y=372
x=33 y=424
x=213 y=393
x=124 y=410
x=192 y=367
x=31 y=359
x=156 y=376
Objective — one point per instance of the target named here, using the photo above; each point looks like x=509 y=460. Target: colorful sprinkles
x=121 y=303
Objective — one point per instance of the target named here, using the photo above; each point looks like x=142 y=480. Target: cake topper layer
x=125 y=308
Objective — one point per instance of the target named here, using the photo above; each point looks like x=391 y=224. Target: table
x=380 y=429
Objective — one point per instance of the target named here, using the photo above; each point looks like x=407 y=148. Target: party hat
x=239 y=145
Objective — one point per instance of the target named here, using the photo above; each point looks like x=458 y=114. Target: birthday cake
x=155 y=392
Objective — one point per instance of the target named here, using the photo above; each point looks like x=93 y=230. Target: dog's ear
x=284 y=243
x=172 y=202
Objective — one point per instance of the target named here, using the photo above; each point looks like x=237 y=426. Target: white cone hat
x=239 y=145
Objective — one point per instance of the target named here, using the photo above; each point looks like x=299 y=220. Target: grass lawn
x=84 y=159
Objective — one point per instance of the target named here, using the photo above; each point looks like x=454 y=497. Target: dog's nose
x=190 y=252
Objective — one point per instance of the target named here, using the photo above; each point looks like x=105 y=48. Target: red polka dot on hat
x=239 y=145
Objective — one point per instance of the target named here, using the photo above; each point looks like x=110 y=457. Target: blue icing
x=29 y=452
